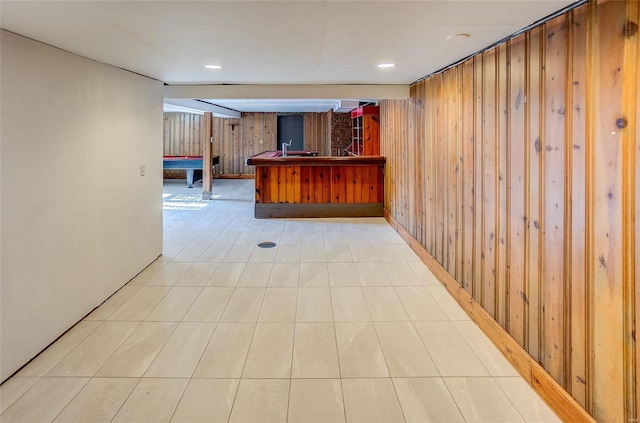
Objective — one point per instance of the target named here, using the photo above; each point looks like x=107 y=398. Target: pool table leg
x=189 y=178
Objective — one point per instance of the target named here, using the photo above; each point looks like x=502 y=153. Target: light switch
x=142 y=170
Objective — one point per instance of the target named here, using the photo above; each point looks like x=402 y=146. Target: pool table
x=188 y=163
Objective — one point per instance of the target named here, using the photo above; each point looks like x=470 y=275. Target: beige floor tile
x=314 y=305
x=114 y=302
x=261 y=400
x=180 y=355
x=452 y=355
x=284 y=275
x=362 y=252
x=359 y=351
x=315 y=354
x=419 y=304
x=312 y=237
x=48 y=358
x=153 y=401
x=313 y=253
x=335 y=238
x=404 y=351
x=136 y=354
x=384 y=305
x=174 y=305
x=169 y=275
x=225 y=355
x=209 y=305
x=215 y=253
x=148 y=272
x=279 y=305
x=342 y=274
x=198 y=274
x=255 y=274
x=140 y=304
x=14 y=388
x=405 y=251
x=99 y=401
x=377 y=237
x=316 y=401
x=484 y=349
x=371 y=401
x=95 y=350
x=400 y=274
x=355 y=236
x=244 y=305
x=206 y=401
x=291 y=238
x=426 y=400
x=349 y=305
x=372 y=274
x=481 y=400
x=248 y=238
x=446 y=302
x=44 y=401
x=387 y=252
x=424 y=274
x=338 y=253
x=263 y=255
x=271 y=351
x=227 y=274
x=190 y=253
x=238 y=254
x=288 y=253
x=313 y=274
x=526 y=401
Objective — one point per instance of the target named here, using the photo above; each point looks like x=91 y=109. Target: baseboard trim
x=303 y=210
x=549 y=390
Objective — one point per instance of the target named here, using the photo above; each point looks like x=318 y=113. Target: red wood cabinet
x=366 y=131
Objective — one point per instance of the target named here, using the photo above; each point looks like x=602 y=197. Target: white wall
x=77 y=221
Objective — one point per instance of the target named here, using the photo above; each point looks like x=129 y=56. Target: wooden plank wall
x=182 y=137
x=518 y=171
x=236 y=139
x=317 y=132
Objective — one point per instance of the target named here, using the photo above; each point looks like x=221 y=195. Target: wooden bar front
x=319 y=186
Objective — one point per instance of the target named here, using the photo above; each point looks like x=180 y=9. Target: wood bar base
x=318 y=186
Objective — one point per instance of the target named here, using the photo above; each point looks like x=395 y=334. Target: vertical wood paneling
x=607 y=207
x=489 y=178
x=468 y=146
x=553 y=152
x=519 y=175
x=502 y=202
x=577 y=163
x=515 y=195
x=532 y=197
x=316 y=131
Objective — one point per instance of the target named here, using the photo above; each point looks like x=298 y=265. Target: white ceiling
x=273 y=42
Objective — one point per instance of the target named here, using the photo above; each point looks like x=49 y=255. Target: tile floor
x=339 y=322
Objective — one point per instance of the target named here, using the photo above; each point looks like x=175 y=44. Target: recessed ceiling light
x=461 y=36
x=386 y=65
x=213 y=66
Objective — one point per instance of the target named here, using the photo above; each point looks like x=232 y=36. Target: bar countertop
x=275 y=158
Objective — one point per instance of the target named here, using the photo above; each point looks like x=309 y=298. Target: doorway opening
x=291 y=129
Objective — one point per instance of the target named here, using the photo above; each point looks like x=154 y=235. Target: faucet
x=284 y=147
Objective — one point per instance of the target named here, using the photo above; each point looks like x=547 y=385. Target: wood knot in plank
x=630 y=29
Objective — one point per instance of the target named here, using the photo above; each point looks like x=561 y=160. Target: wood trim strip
x=541 y=381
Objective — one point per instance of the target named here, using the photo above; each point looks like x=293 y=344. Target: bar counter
x=318 y=186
